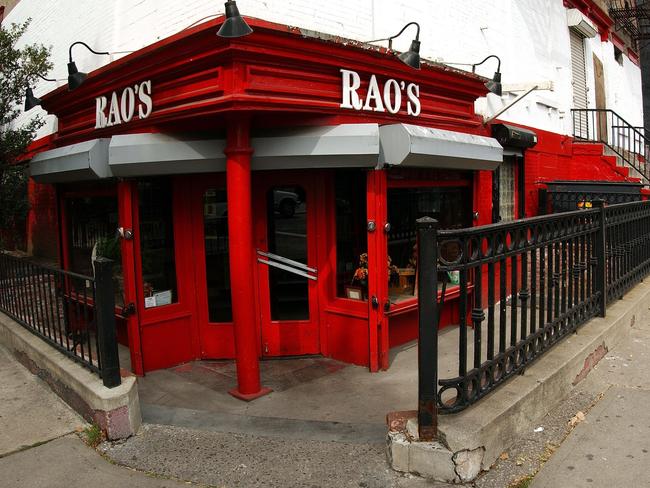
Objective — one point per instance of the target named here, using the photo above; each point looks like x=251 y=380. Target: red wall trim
x=278 y=69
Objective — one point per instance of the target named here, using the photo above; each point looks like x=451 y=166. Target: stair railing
x=607 y=127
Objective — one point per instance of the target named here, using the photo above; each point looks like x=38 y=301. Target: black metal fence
x=73 y=313
x=567 y=196
x=524 y=285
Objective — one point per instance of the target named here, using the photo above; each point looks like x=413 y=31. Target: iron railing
x=566 y=196
x=73 y=313
x=524 y=285
x=609 y=128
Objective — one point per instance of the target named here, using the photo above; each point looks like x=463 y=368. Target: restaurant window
x=449 y=205
x=157 y=242
x=351 y=237
x=92 y=232
x=217 y=265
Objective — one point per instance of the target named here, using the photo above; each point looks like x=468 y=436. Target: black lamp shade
x=494 y=85
x=30 y=100
x=75 y=78
x=412 y=56
x=235 y=25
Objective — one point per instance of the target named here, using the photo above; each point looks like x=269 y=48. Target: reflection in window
x=92 y=232
x=157 y=242
x=217 y=265
x=287 y=238
x=351 y=236
x=451 y=206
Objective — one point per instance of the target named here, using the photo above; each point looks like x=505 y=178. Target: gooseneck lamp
x=75 y=77
x=412 y=56
x=234 y=25
x=494 y=85
x=32 y=101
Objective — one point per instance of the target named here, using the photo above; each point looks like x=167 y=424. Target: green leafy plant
x=19 y=69
x=109 y=247
x=93 y=435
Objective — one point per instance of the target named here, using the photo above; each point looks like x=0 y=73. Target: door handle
x=128 y=309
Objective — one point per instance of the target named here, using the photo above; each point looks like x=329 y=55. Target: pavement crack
x=35 y=444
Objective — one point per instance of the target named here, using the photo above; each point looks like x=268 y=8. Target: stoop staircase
x=603 y=132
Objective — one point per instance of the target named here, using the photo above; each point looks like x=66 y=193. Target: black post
x=600 y=274
x=428 y=328
x=105 y=318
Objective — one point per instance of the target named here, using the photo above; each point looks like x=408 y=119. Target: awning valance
x=78 y=162
x=336 y=146
x=424 y=147
x=161 y=154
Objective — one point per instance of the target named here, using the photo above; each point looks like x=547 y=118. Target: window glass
x=157 y=242
x=92 y=232
x=507 y=189
x=217 y=264
x=287 y=239
x=351 y=235
x=451 y=206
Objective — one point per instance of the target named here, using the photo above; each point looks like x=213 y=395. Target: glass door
x=286 y=256
x=212 y=266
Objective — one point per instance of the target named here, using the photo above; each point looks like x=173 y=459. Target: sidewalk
x=39 y=444
x=227 y=443
x=611 y=447
x=315 y=450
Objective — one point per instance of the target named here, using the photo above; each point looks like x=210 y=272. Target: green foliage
x=109 y=247
x=523 y=482
x=19 y=68
x=13 y=198
x=93 y=435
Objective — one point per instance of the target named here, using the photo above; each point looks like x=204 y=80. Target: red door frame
x=122 y=191
x=216 y=339
x=283 y=338
x=378 y=270
x=125 y=192
x=183 y=310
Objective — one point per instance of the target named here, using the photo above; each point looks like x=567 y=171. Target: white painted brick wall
x=530 y=37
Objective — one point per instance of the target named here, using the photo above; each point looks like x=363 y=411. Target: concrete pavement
x=611 y=447
x=39 y=446
x=30 y=413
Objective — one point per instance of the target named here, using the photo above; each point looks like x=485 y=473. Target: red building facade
x=259 y=194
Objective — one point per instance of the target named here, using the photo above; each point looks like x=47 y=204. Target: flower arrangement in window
x=360 y=276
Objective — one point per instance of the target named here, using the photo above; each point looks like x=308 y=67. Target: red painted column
x=242 y=259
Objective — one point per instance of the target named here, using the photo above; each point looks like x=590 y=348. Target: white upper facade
x=530 y=36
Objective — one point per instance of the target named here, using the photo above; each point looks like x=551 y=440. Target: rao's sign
x=122 y=108
x=379 y=99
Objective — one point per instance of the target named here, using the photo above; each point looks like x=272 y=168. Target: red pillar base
x=247 y=397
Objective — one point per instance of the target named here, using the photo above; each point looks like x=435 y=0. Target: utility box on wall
x=511 y=136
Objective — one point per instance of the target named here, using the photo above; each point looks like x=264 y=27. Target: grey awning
x=160 y=154
x=413 y=145
x=338 y=146
x=78 y=162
